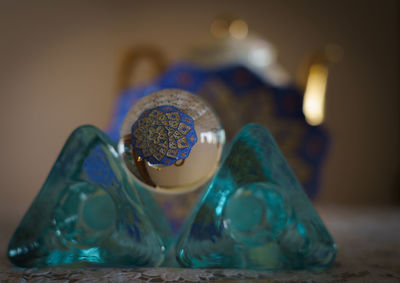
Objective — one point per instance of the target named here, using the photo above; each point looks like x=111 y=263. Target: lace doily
x=192 y=275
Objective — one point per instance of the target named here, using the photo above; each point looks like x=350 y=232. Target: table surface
x=368 y=240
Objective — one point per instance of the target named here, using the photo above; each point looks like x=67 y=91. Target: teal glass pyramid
x=89 y=212
x=255 y=214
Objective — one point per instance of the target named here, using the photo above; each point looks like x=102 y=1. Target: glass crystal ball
x=171 y=140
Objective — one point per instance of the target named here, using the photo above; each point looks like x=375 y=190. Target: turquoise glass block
x=255 y=214
x=88 y=212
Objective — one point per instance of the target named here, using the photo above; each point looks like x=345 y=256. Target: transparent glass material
x=165 y=172
x=255 y=214
x=89 y=213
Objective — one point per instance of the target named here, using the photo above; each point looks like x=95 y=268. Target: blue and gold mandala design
x=163 y=135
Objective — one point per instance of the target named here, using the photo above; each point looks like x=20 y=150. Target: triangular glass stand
x=255 y=214
x=88 y=212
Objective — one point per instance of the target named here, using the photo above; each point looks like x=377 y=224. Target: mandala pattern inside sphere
x=163 y=135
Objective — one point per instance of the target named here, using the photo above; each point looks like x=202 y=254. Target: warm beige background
x=58 y=61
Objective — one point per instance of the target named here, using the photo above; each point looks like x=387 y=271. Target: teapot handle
x=131 y=62
x=313 y=78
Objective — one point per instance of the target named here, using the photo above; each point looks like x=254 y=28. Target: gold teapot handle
x=129 y=70
x=313 y=79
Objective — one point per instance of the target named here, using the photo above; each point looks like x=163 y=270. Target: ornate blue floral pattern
x=163 y=135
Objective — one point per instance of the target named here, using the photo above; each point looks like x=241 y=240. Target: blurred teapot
x=233 y=43
x=237 y=72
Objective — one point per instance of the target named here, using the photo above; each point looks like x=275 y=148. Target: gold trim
x=179 y=162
